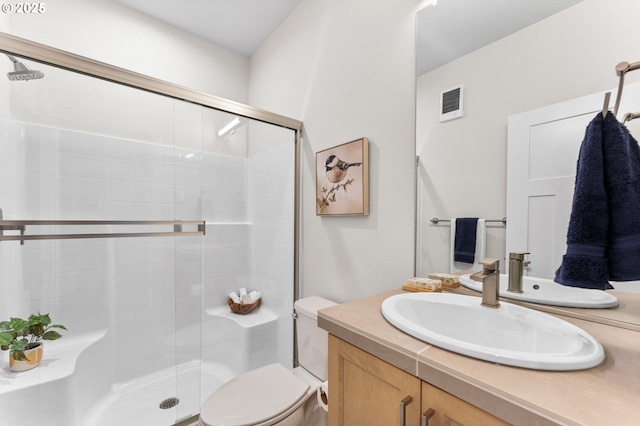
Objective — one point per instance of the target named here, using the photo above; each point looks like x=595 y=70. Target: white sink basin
x=548 y=292
x=510 y=335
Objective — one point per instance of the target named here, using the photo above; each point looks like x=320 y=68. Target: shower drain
x=169 y=403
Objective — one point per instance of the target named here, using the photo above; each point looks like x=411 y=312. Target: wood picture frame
x=342 y=179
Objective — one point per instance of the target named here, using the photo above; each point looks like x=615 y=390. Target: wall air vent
x=452 y=103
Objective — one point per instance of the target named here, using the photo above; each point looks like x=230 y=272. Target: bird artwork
x=338 y=169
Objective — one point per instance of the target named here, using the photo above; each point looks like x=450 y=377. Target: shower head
x=22 y=72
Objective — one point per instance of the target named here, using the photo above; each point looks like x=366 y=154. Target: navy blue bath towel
x=464 y=248
x=603 y=239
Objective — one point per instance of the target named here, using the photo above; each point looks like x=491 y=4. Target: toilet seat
x=254 y=398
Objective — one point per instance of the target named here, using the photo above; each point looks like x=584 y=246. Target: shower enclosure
x=131 y=208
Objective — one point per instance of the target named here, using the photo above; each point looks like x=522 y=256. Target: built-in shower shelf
x=58 y=362
x=259 y=316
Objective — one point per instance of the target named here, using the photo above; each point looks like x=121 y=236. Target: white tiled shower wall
x=144 y=291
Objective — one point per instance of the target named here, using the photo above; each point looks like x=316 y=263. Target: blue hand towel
x=464 y=249
x=603 y=239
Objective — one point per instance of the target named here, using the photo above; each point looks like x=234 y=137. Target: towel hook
x=621 y=70
x=630 y=116
x=605 y=106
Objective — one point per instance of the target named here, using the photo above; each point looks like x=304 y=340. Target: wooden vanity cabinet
x=364 y=390
x=449 y=410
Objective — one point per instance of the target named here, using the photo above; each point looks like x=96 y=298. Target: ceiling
x=238 y=25
x=453 y=28
x=446 y=31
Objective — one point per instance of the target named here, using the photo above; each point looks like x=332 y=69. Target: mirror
x=505 y=66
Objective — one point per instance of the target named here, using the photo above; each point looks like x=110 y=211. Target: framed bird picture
x=342 y=179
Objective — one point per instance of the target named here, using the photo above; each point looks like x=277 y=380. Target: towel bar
x=21 y=225
x=435 y=220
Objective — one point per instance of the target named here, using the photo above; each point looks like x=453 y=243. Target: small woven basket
x=242 y=308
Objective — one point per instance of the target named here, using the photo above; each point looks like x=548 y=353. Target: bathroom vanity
x=378 y=374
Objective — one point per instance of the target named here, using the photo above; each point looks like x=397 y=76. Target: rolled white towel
x=234 y=297
x=255 y=296
x=243 y=292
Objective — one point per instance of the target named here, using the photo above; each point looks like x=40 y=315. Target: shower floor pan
x=139 y=402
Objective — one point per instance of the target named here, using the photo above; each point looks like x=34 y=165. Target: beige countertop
x=605 y=395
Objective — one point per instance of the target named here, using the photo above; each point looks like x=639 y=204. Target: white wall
x=109 y=32
x=347 y=70
x=463 y=162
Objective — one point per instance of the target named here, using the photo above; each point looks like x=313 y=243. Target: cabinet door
x=364 y=390
x=449 y=410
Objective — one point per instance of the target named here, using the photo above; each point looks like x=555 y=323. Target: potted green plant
x=23 y=339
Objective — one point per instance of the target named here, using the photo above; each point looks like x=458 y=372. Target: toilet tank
x=312 y=340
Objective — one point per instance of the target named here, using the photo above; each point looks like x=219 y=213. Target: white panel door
x=543 y=147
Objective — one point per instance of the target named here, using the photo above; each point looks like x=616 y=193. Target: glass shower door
x=151 y=335
x=80 y=148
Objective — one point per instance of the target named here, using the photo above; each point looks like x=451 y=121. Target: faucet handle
x=490 y=264
x=517 y=255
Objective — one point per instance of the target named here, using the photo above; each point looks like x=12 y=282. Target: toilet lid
x=253 y=397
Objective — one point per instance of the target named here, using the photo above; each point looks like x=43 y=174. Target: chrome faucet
x=516 y=270
x=490 y=279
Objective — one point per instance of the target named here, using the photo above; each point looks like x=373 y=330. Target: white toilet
x=275 y=395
